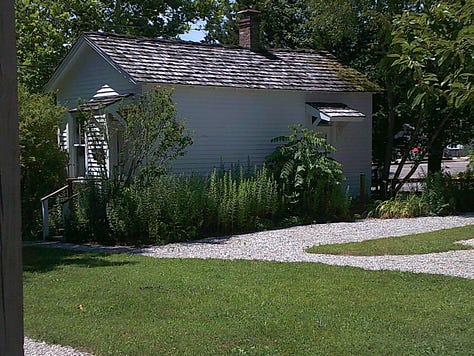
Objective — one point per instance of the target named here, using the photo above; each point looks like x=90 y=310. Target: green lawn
x=135 y=305
x=430 y=242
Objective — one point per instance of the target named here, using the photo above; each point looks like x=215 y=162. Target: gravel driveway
x=288 y=245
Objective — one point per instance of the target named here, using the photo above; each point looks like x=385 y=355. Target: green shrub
x=308 y=180
x=42 y=162
x=464 y=190
x=243 y=202
x=86 y=219
x=176 y=205
x=441 y=195
x=153 y=136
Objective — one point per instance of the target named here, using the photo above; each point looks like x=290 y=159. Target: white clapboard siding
x=87 y=74
x=63 y=137
x=236 y=126
x=353 y=140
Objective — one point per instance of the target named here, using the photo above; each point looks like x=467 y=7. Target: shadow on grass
x=41 y=259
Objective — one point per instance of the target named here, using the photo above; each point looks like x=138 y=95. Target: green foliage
x=435 y=47
x=438 y=192
x=153 y=136
x=283 y=23
x=86 y=219
x=143 y=203
x=401 y=206
x=169 y=208
x=430 y=242
x=446 y=194
x=309 y=181
x=165 y=209
x=242 y=203
x=124 y=304
x=441 y=195
x=432 y=51
x=42 y=162
x=463 y=186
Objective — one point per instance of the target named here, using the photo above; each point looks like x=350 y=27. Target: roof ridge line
x=141 y=38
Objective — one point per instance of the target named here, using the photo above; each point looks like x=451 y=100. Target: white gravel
x=37 y=348
x=288 y=245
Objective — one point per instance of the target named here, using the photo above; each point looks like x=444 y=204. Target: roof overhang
x=99 y=103
x=72 y=58
x=103 y=104
x=333 y=112
x=64 y=64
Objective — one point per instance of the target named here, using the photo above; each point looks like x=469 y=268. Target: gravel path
x=288 y=245
x=37 y=348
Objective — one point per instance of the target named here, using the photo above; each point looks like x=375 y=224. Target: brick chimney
x=249 y=29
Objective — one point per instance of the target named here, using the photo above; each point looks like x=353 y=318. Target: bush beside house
x=142 y=202
x=42 y=162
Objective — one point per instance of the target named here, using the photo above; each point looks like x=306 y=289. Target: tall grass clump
x=243 y=202
x=163 y=209
x=86 y=219
x=441 y=195
x=401 y=206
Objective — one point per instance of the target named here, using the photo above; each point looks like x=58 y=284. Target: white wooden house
x=234 y=98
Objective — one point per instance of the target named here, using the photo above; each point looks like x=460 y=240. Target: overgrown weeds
x=172 y=208
x=441 y=195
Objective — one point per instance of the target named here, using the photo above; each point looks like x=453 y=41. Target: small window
x=80 y=161
x=79 y=132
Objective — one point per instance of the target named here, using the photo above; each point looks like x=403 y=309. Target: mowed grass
x=430 y=242
x=135 y=305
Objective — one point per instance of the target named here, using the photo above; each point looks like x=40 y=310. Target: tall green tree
x=283 y=23
x=434 y=50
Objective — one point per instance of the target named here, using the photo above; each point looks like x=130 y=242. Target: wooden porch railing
x=65 y=203
x=45 y=209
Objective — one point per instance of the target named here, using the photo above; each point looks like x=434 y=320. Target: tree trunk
x=11 y=317
x=435 y=157
x=389 y=139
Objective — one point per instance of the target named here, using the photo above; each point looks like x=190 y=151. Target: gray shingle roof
x=177 y=62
